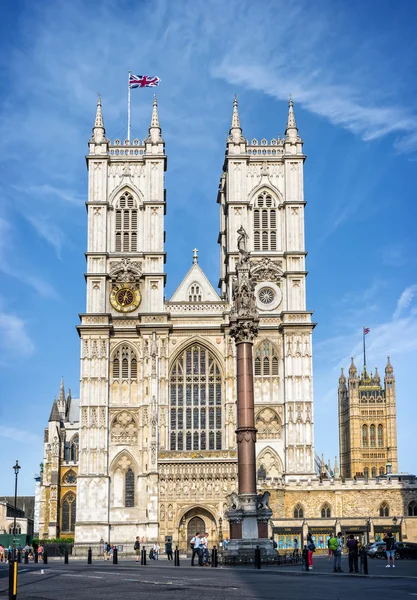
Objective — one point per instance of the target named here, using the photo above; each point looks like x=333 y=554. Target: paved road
x=163 y=580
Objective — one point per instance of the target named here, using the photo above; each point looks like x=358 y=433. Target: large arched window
x=380 y=436
x=68 y=513
x=71 y=450
x=373 y=471
x=372 y=436
x=326 y=511
x=384 y=510
x=412 y=509
x=366 y=472
x=298 y=511
x=265 y=223
x=266 y=360
x=125 y=364
x=381 y=470
x=364 y=436
x=129 y=488
x=196 y=401
x=126 y=224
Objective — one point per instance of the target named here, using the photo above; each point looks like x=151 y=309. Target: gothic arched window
x=373 y=471
x=381 y=470
x=412 y=509
x=125 y=364
x=68 y=513
x=71 y=450
x=372 y=436
x=266 y=360
x=268 y=425
x=366 y=472
x=326 y=511
x=384 y=510
x=364 y=436
x=129 y=488
x=265 y=223
x=126 y=215
x=298 y=511
x=196 y=401
x=380 y=436
x=12 y=531
x=195 y=293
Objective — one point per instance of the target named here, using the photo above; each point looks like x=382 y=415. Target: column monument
x=248 y=513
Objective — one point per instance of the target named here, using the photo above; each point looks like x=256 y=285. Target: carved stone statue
x=233 y=501
x=262 y=500
x=242 y=241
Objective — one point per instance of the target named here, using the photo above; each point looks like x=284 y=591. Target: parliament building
x=149 y=448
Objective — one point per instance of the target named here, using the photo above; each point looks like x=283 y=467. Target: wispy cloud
x=14 y=338
x=48 y=230
x=405 y=300
x=19 y=435
x=51 y=192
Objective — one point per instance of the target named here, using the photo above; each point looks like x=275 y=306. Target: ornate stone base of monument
x=248 y=515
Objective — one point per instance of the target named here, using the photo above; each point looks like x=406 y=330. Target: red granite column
x=246 y=431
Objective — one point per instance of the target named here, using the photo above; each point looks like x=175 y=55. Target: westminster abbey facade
x=149 y=448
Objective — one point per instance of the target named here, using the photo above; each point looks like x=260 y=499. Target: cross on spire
x=195 y=256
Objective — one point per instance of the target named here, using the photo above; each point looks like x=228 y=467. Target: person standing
x=136 y=548
x=390 y=548
x=196 y=547
x=205 y=550
x=352 y=546
x=310 y=548
x=156 y=549
x=168 y=549
x=296 y=548
x=337 y=553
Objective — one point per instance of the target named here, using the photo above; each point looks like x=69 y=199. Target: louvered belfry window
x=266 y=360
x=196 y=401
x=265 y=224
x=125 y=364
x=126 y=224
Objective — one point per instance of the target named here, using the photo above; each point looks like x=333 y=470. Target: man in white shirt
x=196 y=546
x=205 y=550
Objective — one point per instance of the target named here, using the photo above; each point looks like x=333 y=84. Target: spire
x=291 y=131
x=336 y=468
x=377 y=378
x=342 y=378
x=322 y=465
x=54 y=416
x=62 y=405
x=235 y=129
x=389 y=371
x=98 y=129
x=352 y=369
x=155 y=128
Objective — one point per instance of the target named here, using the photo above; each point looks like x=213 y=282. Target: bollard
x=35 y=556
x=45 y=557
x=365 y=563
x=115 y=556
x=214 y=557
x=66 y=557
x=13 y=580
x=176 y=557
x=90 y=556
x=26 y=557
x=143 y=557
x=257 y=558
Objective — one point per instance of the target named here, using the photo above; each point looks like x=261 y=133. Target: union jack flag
x=143 y=81
x=366 y=330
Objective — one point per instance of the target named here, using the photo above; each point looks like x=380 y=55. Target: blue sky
x=350 y=67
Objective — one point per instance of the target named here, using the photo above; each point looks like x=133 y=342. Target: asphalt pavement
x=161 y=579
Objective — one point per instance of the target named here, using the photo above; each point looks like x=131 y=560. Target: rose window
x=266 y=295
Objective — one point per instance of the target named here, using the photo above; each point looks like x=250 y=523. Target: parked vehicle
x=376 y=549
x=405 y=550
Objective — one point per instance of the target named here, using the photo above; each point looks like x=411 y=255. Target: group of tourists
x=6 y=554
x=199 y=546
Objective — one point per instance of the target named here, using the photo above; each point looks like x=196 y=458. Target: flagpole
x=364 y=351
x=128 y=106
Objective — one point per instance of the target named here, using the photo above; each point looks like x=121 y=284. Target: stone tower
x=367 y=423
x=120 y=336
x=261 y=190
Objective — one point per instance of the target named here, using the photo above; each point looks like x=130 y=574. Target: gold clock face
x=125 y=298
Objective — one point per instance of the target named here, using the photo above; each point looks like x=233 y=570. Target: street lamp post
x=16 y=470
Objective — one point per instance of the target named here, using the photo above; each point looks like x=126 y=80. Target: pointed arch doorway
x=195 y=525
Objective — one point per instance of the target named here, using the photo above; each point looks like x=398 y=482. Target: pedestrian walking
x=156 y=549
x=204 y=549
x=136 y=548
x=195 y=544
x=390 y=549
x=40 y=551
x=310 y=548
x=337 y=553
x=353 y=549
x=168 y=549
x=330 y=551
x=296 y=548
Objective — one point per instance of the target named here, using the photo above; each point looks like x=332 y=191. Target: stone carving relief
x=270 y=461
x=266 y=270
x=94 y=348
x=125 y=270
x=162 y=512
x=124 y=429
x=268 y=425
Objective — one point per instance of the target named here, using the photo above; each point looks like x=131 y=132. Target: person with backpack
x=353 y=548
x=310 y=548
x=136 y=548
x=390 y=548
x=337 y=553
x=195 y=544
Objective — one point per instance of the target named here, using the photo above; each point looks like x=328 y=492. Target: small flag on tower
x=366 y=330
x=143 y=81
